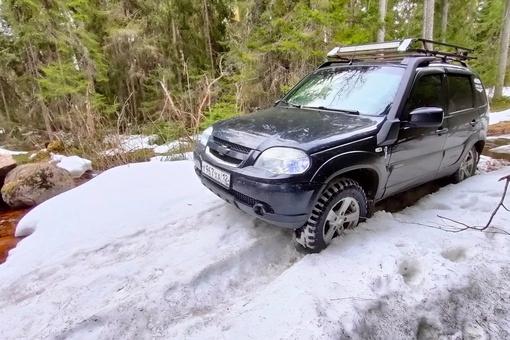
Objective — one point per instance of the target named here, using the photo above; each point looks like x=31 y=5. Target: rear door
x=418 y=152
x=462 y=117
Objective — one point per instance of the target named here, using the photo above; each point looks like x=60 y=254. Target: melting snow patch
x=77 y=166
x=12 y=153
x=124 y=144
x=487 y=164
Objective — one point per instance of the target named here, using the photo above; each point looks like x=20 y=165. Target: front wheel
x=467 y=167
x=342 y=205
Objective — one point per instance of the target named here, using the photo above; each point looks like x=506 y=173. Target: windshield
x=370 y=90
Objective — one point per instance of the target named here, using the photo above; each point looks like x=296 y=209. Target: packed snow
x=144 y=251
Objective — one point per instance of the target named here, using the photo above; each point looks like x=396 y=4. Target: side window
x=427 y=92
x=460 y=93
x=481 y=96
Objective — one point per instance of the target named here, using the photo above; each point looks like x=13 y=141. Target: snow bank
x=144 y=251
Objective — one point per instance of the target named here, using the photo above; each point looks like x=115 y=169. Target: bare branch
x=461 y=226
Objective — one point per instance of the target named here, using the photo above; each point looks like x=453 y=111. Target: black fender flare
x=355 y=160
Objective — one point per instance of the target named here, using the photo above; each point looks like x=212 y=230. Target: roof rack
x=399 y=49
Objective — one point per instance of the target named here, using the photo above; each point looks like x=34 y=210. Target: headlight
x=283 y=161
x=204 y=137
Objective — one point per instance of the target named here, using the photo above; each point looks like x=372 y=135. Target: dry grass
x=501 y=128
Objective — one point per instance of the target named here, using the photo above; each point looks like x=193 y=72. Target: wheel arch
x=479 y=146
x=364 y=168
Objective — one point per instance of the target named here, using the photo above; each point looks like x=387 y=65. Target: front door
x=417 y=154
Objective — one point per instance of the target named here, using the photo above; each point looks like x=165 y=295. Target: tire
x=468 y=166
x=343 y=198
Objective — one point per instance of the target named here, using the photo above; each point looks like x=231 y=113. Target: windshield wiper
x=352 y=112
x=289 y=104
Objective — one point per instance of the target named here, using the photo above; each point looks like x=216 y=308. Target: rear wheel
x=342 y=205
x=467 y=167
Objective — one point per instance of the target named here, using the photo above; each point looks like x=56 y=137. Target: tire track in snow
x=238 y=274
x=247 y=256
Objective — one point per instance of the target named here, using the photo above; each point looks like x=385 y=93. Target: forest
x=89 y=68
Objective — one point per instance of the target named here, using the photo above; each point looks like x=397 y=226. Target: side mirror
x=426 y=117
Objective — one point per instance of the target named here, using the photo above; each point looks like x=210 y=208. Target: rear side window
x=481 y=96
x=460 y=93
x=427 y=92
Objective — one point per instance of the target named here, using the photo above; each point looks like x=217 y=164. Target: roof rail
x=399 y=49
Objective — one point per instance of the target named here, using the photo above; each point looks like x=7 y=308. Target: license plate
x=216 y=174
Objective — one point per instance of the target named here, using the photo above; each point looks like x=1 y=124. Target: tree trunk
x=6 y=107
x=503 y=52
x=428 y=20
x=207 y=33
x=382 y=17
x=445 y=4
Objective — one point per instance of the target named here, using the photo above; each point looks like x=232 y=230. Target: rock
x=7 y=163
x=31 y=184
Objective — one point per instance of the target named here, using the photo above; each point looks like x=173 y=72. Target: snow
x=174 y=157
x=506 y=92
x=501 y=149
x=77 y=166
x=496 y=117
x=167 y=147
x=129 y=143
x=12 y=153
x=145 y=251
x=487 y=164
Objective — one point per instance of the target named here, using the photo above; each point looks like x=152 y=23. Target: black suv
x=372 y=121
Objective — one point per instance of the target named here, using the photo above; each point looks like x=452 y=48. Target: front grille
x=226 y=158
x=233 y=146
x=249 y=201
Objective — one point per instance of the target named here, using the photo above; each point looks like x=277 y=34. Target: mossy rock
x=31 y=184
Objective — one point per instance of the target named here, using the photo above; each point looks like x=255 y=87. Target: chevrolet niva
x=374 y=120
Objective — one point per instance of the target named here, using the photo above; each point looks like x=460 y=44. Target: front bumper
x=284 y=204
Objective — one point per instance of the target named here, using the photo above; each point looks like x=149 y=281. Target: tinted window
x=367 y=89
x=460 y=93
x=481 y=96
x=427 y=92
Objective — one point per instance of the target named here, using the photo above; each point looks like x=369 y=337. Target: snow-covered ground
x=130 y=143
x=144 y=251
x=496 y=117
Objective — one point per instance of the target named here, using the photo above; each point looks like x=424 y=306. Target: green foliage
x=84 y=65
x=166 y=131
x=500 y=104
x=219 y=111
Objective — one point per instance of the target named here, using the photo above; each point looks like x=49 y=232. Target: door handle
x=441 y=131
x=474 y=122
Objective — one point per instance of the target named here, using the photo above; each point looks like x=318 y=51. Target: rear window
x=460 y=93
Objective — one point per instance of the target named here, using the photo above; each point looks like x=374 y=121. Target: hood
x=308 y=129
